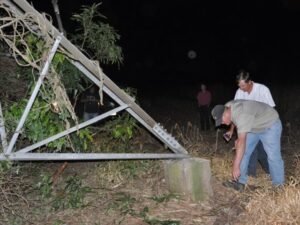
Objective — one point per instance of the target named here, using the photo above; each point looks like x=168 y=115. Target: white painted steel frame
x=33 y=96
x=88 y=156
x=2 y=131
x=124 y=100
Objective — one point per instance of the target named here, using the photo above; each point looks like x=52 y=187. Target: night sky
x=159 y=39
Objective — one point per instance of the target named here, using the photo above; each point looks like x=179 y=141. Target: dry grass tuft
x=269 y=206
x=263 y=205
x=205 y=145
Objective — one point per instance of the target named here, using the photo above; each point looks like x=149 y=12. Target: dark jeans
x=204 y=117
x=259 y=155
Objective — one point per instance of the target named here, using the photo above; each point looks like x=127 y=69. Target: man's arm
x=268 y=97
x=240 y=145
x=231 y=130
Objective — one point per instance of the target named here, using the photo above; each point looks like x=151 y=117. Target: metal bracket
x=170 y=140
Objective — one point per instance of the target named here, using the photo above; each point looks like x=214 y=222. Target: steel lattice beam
x=90 y=70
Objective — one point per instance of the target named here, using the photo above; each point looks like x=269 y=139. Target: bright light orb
x=192 y=54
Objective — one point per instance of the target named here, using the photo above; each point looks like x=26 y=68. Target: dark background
x=156 y=35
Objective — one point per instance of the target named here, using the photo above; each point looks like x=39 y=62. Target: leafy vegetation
x=164 y=198
x=72 y=195
x=124 y=203
x=42 y=122
x=50 y=114
x=97 y=38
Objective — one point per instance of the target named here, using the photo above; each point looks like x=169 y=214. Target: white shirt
x=259 y=92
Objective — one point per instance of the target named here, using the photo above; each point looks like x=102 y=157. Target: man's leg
x=272 y=144
x=251 y=141
x=206 y=117
x=202 y=118
x=262 y=157
x=85 y=116
x=253 y=163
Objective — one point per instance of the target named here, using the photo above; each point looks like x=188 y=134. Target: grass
x=134 y=192
x=164 y=198
x=264 y=205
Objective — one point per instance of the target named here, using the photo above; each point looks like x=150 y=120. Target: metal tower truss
x=90 y=70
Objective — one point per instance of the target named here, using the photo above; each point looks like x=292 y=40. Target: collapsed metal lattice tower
x=90 y=70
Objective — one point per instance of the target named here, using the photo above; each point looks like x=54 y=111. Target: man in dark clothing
x=204 y=100
x=91 y=104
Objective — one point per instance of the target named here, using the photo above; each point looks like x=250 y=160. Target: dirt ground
x=135 y=192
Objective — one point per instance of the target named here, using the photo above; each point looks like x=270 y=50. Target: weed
x=71 y=196
x=154 y=221
x=59 y=222
x=112 y=173
x=123 y=203
x=5 y=166
x=15 y=221
x=164 y=198
x=45 y=186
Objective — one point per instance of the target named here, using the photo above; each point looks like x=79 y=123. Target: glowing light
x=192 y=54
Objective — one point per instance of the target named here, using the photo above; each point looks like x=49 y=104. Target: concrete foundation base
x=189 y=177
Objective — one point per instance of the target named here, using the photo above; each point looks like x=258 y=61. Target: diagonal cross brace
x=72 y=129
x=33 y=96
x=2 y=130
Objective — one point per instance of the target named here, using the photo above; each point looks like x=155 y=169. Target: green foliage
x=123 y=203
x=154 y=221
x=41 y=122
x=74 y=81
x=72 y=195
x=5 y=166
x=132 y=169
x=59 y=222
x=99 y=39
x=35 y=46
x=45 y=186
x=123 y=127
x=117 y=133
x=82 y=139
x=164 y=198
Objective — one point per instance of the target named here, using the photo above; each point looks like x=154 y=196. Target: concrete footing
x=189 y=177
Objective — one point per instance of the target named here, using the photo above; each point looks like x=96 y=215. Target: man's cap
x=217 y=113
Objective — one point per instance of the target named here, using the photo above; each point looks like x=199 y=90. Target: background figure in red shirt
x=204 y=100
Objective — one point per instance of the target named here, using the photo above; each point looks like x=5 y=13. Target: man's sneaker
x=235 y=185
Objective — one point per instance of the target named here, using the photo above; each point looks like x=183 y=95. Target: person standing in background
x=250 y=90
x=91 y=104
x=204 y=100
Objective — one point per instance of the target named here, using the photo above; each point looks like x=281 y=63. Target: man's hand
x=228 y=135
x=230 y=131
x=236 y=173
